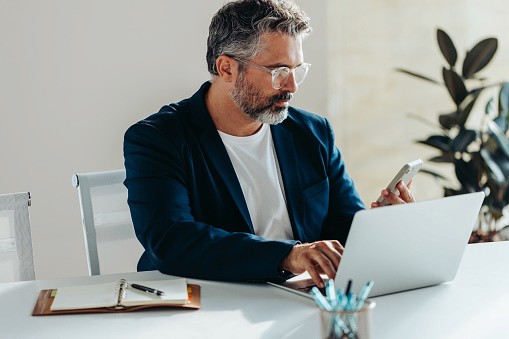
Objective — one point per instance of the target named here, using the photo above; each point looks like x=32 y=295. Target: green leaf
x=490 y=106
x=420 y=76
x=465 y=109
x=502 y=161
x=467 y=174
x=477 y=58
x=455 y=86
x=503 y=107
x=503 y=99
x=441 y=142
x=499 y=137
x=506 y=195
x=464 y=138
x=494 y=172
x=450 y=192
x=448 y=120
x=501 y=122
x=447 y=47
x=444 y=158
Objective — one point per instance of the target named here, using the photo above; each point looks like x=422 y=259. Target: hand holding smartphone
x=406 y=173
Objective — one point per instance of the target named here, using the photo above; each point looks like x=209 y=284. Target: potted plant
x=479 y=151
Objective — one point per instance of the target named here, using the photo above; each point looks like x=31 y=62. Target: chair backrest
x=111 y=245
x=16 y=255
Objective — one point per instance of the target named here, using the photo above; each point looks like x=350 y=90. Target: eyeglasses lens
x=281 y=75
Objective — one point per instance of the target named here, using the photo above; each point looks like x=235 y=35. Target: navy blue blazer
x=187 y=205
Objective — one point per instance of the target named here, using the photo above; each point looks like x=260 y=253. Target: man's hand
x=404 y=196
x=317 y=257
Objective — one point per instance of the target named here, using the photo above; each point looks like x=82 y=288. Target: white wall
x=75 y=74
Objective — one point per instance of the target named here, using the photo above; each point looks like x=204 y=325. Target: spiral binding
x=121 y=294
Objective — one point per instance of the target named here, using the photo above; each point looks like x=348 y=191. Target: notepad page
x=86 y=296
x=175 y=292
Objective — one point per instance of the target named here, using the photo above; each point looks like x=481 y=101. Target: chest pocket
x=316 y=189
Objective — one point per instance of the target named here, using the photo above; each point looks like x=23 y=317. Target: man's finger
x=404 y=193
x=315 y=275
x=332 y=252
x=325 y=265
x=393 y=199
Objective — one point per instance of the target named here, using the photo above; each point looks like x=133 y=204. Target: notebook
x=118 y=296
x=403 y=247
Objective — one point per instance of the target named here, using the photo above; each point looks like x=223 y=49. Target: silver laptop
x=403 y=247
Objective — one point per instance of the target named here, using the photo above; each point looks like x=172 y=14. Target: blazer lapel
x=213 y=148
x=215 y=151
x=287 y=158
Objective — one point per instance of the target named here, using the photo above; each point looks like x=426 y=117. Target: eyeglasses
x=281 y=74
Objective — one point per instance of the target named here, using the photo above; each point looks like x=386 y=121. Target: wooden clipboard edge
x=44 y=301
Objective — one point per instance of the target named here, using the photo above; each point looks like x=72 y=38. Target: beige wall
x=370 y=101
x=75 y=74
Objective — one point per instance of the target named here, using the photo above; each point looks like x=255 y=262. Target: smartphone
x=406 y=173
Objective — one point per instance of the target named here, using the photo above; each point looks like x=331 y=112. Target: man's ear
x=226 y=68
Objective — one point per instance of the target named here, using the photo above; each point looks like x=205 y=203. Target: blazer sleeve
x=164 y=221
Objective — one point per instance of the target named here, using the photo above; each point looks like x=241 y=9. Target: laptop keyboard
x=308 y=288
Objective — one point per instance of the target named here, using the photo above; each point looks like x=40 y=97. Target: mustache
x=283 y=96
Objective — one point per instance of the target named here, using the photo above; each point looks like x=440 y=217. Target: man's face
x=253 y=91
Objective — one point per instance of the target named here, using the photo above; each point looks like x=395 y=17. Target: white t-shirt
x=255 y=162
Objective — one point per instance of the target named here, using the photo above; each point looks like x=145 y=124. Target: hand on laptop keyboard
x=316 y=258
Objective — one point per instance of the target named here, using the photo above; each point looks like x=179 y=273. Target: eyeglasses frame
x=274 y=71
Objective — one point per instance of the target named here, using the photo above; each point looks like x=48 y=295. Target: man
x=232 y=183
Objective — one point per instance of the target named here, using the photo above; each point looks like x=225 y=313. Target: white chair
x=111 y=244
x=16 y=255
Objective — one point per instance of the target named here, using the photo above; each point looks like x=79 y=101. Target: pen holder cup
x=342 y=324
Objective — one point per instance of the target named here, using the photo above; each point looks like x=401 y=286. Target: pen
x=364 y=294
x=330 y=290
x=350 y=297
x=320 y=299
x=147 y=289
x=348 y=287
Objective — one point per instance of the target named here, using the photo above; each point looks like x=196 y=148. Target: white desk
x=227 y=311
x=474 y=305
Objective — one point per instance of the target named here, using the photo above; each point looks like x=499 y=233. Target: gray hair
x=236 y=28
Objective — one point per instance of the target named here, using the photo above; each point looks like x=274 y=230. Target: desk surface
x=474 y=305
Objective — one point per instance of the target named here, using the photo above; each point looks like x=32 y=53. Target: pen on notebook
x=146 y=289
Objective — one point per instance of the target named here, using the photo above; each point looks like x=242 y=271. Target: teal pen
x=364 y=294
x=351 y=301
x=320 y=299
x=330 y=290
x=349 y=296
x=339 y=298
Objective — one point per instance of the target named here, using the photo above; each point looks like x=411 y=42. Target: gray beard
x=270 y=117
